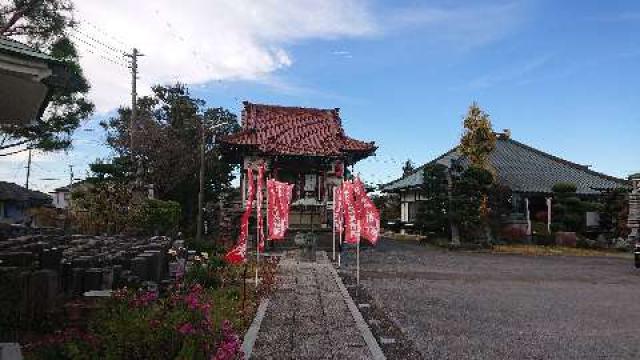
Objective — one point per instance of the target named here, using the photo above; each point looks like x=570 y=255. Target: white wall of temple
x=404 y=212
x=406 y=199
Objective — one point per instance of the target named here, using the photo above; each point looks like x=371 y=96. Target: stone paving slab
x=308 y=317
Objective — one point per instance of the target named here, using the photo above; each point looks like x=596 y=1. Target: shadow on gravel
x=393 y=342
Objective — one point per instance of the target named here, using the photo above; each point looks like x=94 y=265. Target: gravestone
x=43 y=288
x=117 y=277
x=154 y=267
x=92 y=279
x=51 y=258
x=17 y=258
x=77 y=279
x=139 y=268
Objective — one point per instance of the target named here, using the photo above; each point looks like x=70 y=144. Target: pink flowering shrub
x=229 y=348
x=140 y=325
x=197 y=318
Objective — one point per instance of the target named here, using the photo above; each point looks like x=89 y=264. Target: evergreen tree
x=476 y=184
x=43 y=24
x=568 y=209
x=408 y=168
x=431 y=215
x=165 y=147
x=478 y=140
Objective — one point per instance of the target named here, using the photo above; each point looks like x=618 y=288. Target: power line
x=99 y=42
x=91 y=49
x=96 y=51
x=100 y=30
x=14 y=152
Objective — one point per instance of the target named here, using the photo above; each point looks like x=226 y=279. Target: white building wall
x=60 y=199
x=406 y=198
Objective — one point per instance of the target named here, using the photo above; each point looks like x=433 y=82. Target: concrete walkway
x=311 y=316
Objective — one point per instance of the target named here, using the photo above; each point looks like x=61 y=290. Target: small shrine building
x=306 y=147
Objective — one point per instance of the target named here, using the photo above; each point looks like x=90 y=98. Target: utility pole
x=67 y=219
x=26 y=185
x=134 y=93
x=134 y=113
x=70 y=185
x=70 y=177
x=202 y=168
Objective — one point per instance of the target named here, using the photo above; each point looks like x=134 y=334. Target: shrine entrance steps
x=323 y=241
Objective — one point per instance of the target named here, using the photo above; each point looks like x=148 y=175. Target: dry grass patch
x=540 y=250
x=404 y=237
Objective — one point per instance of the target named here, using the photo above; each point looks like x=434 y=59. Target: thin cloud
x=521 y=73
x=463 y=27
x=196 y=42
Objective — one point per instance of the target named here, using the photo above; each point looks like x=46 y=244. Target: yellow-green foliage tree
x=477 y=182
x=478 y=140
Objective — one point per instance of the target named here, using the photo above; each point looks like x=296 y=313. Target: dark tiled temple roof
x=526 y=170
x=295 y=131
x=14 y=192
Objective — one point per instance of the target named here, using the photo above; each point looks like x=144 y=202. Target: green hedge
x=157 y=216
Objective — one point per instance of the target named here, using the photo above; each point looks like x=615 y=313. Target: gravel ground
x=464 y=305
x=392 y=340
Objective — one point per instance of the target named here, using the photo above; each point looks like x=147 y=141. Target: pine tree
x=408 y=168
x=43 y=25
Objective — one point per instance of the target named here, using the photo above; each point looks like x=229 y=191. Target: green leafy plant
x=432 y=214
x=156 y=216
x=478 y=204
x=208 y=272
x=569 y=209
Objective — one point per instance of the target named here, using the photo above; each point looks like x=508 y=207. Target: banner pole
x=266 y=220
x=341 y=230
x=340 y=247
x=257 y=258
x=358 y=264
x=333 y=226
x=258 y=215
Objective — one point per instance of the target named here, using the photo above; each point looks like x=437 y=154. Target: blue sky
x=563 y=76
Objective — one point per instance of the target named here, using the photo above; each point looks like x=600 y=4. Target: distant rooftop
x=524 y=169
x=14 y=192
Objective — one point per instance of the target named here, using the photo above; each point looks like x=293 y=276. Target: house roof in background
x=296 y=131
x=66 y=187
x=18 y=48
x=15 y=192
x=524 y=169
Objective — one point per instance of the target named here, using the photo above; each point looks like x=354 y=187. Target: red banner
x=351 y=216
x=238 y=253
x=278 y=208
x=259 y=196
x=367 y=213
x=370 y=219
x=338 y=209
